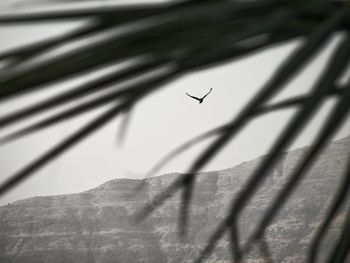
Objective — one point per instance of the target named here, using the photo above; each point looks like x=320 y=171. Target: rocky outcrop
x=96 y=226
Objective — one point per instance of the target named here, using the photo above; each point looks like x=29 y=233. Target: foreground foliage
x=164 y=42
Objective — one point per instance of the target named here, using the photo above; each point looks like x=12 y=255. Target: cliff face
x=95 y=226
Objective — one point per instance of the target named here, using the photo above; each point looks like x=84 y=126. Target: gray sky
x=158 y=124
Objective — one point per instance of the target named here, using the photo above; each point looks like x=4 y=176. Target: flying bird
x=199 y=99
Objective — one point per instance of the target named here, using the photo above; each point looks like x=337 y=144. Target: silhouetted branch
x=236 y=251
x=124 y=126
x=341 y=249
x=265 y=251
x=330 y=127
x=284 y=73
x=285 y=104
x=339 y=200
x=83 y=133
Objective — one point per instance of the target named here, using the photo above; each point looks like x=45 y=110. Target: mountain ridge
x=96 y=226
x=346 y=138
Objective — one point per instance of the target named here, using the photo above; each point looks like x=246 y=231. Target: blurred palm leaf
x=162 y=42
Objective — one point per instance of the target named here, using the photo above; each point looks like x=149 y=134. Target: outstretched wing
x=207 y=93
x=193 y=97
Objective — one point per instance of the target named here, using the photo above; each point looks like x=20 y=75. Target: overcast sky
x=158 y=124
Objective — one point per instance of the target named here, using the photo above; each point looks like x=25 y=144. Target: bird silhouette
x=199 y=99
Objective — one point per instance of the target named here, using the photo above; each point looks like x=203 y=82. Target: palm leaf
x=178 y=38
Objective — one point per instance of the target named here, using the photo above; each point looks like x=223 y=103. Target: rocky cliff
x=95 y=226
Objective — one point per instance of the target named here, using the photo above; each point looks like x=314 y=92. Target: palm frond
x=339 y=200
x=341 y=249
x=180 y=38
x=287 y=103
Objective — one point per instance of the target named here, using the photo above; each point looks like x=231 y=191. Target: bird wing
x=193 y=97
x=207 y=93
